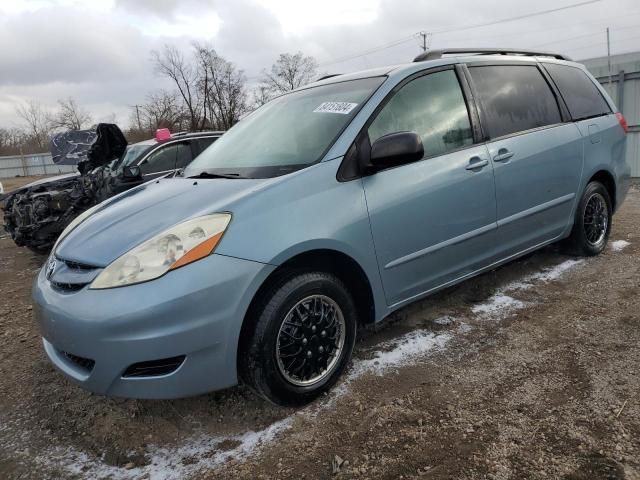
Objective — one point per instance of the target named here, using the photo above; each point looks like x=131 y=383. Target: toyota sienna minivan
x=324 y=211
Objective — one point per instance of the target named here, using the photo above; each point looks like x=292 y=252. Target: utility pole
x=137 y=107
x=609 y=57
x=424 y=41
x=138 y=116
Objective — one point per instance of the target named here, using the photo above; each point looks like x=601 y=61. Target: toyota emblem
x=51 y=266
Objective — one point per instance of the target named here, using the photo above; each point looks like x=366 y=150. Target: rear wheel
x=592 y=223
x=305 y=328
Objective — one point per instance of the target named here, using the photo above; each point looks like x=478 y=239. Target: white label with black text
x=335 y=107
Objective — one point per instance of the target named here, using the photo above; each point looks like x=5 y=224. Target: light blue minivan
x=324 y=211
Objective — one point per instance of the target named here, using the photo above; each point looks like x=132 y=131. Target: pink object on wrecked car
x=163 y=134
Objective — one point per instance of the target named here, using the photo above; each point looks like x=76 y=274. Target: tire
x=272 y=358
x=592 y=223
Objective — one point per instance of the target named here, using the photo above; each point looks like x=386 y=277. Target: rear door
x=433 y=221
x=537 y=157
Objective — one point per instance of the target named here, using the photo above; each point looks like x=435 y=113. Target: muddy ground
x=529 y=371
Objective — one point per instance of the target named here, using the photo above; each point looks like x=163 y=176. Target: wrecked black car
x=36 y=214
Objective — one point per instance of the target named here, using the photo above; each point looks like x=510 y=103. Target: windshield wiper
x=216 y=175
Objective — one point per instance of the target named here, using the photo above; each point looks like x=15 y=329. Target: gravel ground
x=529 y=371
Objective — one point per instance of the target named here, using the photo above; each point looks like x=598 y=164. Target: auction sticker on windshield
x=335 y=107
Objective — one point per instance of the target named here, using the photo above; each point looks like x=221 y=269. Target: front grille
x=84 y=363
x=154 y=368
x=68 y=287
x=78 y=266
x=71 y=276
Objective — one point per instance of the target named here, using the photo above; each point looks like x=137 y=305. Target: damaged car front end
x=35 y=215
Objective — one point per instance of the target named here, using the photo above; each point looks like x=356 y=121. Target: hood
x=49 y=180
x=89 y=148
x=128 y=219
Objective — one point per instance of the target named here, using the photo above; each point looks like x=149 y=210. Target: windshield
x=132 y=153
x=290 y=132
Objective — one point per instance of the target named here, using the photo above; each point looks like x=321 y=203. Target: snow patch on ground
x=619 y=245
x=393 y=353
x=170 y=463
x=546 y=275
x=500 y=305
x=497 y=307
x=445 y=321
x=401 y=351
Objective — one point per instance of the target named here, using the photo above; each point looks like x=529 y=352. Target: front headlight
x=178 y=246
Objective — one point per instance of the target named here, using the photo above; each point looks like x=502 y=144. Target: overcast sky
x=98 y=51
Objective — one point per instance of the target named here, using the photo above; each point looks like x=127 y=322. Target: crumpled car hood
x=132 y=217
x=49 y=180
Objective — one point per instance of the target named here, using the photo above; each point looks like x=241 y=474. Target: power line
x=519 y=17
x=559 y=27
x=604 y=41
x=370 y=51
x=466 y=27
x=583 y=36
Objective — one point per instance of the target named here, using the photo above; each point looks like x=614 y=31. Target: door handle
x=477 y=162
x=503 y=155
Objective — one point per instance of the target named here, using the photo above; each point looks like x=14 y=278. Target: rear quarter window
x=581 y=95
x=514 y=98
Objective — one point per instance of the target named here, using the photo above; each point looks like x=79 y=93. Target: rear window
x=514 y=98
x=580 y=94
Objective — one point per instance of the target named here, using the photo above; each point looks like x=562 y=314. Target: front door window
x=431 y=106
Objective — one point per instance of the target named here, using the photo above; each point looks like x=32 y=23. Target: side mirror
x=396 y=149
x=131 y=171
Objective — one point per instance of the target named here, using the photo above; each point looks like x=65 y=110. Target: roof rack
x=435 y=54
x=331 y=75
x=195 y=132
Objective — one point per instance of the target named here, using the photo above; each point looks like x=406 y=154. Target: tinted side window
x=183 y=157
x=582 y=97
x=161 y=160
x=431 y=106
x=514 y=98
x=202 y=143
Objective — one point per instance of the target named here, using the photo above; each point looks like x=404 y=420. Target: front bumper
x=195 y=311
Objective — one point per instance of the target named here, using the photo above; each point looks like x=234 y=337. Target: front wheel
x=302 y=339
x=592 y=223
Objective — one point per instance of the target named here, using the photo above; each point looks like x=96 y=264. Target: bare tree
x=37 y=121
x=261 y=95
x=172 y=64
x=70 y=116
x=223 y=88
x=290 y=71
x=13 y=141
x=163 y=109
